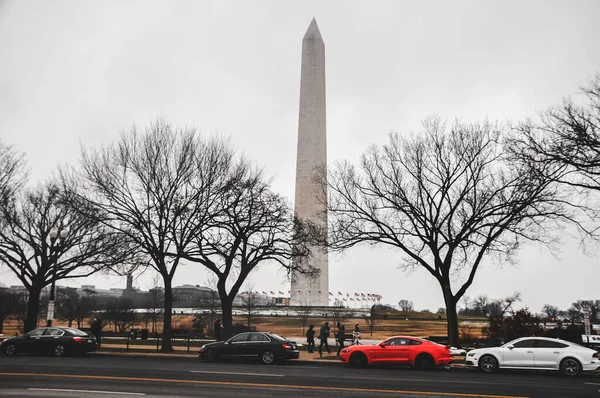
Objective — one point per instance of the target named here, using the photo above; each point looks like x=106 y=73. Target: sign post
x=586 y=319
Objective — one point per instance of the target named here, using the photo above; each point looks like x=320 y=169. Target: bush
x=521 y=324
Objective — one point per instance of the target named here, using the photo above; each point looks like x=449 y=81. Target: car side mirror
x=382 y=345
x=510 y=347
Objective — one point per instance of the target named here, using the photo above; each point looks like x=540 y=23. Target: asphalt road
x=127 y=376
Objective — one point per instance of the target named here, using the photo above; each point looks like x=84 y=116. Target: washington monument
x=312 y=152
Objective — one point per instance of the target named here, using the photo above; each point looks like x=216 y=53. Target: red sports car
x=401 y=350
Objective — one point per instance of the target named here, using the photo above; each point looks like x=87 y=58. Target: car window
x=258 y=337
x=239 y=338
x=525 y=344
x=53 y=332
x=414 y=342
x=36 y=332
x=550 y=344
x=396 y=342
x=76 y=332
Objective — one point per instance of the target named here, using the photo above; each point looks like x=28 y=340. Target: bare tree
x=406 y=305
x=254 y=226
x=158 y=188
x=13 y=173
x=250 y=302
x=9 y=305
x=446 y=199
x=211 y=301
x=550 y=312
x=120 y=313
x=27 y=251
x=567 y=136
x=372 y=319
x=303 y=313
x=154 y=302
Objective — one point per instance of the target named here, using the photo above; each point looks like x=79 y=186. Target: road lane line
x=593 y=384
x=87 y=391
x=236 y=373
x=267 y=385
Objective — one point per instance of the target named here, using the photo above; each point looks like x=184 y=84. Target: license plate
x=89 y=340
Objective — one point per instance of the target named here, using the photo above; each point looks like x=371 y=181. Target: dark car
x=268 y=347
x=57 y=341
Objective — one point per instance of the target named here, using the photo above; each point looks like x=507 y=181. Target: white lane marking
x=236 y=373
x=593 y=384
x=88 y=391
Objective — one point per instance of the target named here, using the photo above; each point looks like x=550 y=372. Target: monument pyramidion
x=312 y=153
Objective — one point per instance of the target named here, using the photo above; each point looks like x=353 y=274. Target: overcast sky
x=79 y=72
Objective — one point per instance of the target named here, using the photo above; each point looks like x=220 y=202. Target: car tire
x=488 y=363
x=358 y=360
x=10 y=350
x=570 y=367
x=59 y=350
x=211 y=355
x=267 y=357
x=424 y=362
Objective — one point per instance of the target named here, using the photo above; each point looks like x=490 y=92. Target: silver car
x=535 y=353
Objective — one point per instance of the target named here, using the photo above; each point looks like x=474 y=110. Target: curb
x=330 y=362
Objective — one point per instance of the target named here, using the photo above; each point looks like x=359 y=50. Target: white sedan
x=537 y=353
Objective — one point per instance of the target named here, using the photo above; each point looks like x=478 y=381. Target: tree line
x=445 y=198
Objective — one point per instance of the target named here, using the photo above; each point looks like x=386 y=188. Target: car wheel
x=358 y=360
x=424 y=361
x=10 y=350
x=211 y=355
x=59 y=350
x=488 y=363
x=268 y=357
x=570 y=367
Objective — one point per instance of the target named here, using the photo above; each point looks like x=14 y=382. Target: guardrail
x=133 y=342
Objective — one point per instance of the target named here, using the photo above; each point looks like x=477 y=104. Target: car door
x=50 y=338
x=236 y=345
x=547 y=353
x=519 y=354
x=257 y=342
x=33 y=344
x=396 y=350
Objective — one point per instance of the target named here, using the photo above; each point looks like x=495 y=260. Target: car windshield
x=75 y=332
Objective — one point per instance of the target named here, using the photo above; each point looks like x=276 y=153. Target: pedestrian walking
x=323 y=336
x=217 y=329
x=96 y=328
x=310 y=338
x=341 y=334
x=356 y=334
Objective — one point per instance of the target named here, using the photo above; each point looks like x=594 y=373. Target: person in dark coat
x=310 y=338
x=341 y=333
x=96 y=328
x=323 y=336
x=217 y=329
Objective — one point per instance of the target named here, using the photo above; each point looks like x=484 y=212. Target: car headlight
x=471 y=354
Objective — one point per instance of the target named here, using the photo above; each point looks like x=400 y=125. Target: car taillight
x=78 y=339
x=286 y=346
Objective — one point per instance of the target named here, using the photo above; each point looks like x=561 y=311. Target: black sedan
x=57 y=341
x=268 y=347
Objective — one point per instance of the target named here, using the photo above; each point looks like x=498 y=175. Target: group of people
x=340 y=336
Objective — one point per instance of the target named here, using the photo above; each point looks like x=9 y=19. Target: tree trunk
x=227 y=317
x=71 y=323
x=451 y=314
x=33 y=308
x=168 y=315
x=2 y=317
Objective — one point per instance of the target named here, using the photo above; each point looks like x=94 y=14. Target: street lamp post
x=54 y=235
